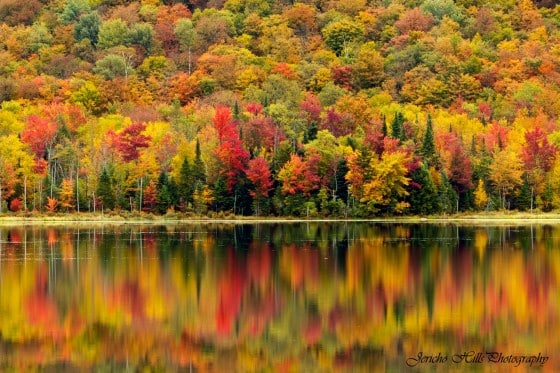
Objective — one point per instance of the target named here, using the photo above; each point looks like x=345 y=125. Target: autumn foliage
x=240 y=91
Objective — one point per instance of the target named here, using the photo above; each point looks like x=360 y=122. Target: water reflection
x=281 y=297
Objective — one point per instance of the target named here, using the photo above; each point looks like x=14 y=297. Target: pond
x=301 y=297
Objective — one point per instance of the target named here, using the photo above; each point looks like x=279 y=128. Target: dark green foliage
x=186 y=183
x=164 y=193
x=88 y=27
x=105 y=192
x=428 y=150
x=223 y=201
x=523 y=201
x=397 y=127
x=447 y=196
x=423 y=197
x=198 y=169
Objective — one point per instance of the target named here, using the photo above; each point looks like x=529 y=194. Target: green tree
x=397 y=129
x=112 y=66
x=141 y=34
x=428 y=150
x=73 y=10
x=105 y=191
x=186 y=183
x=342 y=36
x=423 y=195
x=164 y=193
x=186 y=34
x=88 y=28
x=112 y=33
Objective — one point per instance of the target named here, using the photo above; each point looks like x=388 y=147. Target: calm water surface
x=355 y=297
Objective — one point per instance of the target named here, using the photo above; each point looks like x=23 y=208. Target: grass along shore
x=177 y=217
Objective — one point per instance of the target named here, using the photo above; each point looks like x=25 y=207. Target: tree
x=368 y=68
x=423 y=195
x=428 y=149
x=149 y=202
x=130 y=140
x=73 y=10
x=231 y=156
x=186 y=184
x=87 y=27
x=260 y=176
x=199 y=169
x=387 y=185
x=112 y=66
x=299 y=176
x=397 y=129
x=480 y=196
x=341 y=35
x=538 y=153
x=164 y=193
x=506 y=173
x=105 y=191
x=186 y=34
x=112 y=33
x=67 y=194
x=142 y=35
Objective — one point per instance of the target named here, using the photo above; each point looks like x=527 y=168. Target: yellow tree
x=67 y=194
x=506 y=173
x=480 y=195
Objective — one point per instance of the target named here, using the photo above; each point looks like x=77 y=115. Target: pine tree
x=384 y=130
x=198 y=170
x=428 y=149
x=185 y=184
x=164 y=198
x=105 y=191
x=522 y=201
x=397 y=130
x=447 y=195
x=423 y=195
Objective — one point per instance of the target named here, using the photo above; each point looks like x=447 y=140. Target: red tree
x=129 y=140
x=259 y=174
x=538 y=153
x=39 y=133
x=232 y=157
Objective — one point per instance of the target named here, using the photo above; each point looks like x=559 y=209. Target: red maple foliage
x=538 y=153
x=129 y=140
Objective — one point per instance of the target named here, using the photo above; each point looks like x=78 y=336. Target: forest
x=310 y=108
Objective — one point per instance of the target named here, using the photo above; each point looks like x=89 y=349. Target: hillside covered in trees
x=311 y=108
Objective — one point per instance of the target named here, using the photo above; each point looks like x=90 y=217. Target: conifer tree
x=185 y=184
x=198 y=170
x=105 y=191
x=164 y=197
x=397 y=130
x=423 y=195
x=428 y=149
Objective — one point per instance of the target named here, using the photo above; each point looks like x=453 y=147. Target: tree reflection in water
x=281 y=297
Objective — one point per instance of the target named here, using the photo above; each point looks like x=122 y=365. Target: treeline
x=343 y=108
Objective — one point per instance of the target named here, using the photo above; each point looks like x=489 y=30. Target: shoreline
x=111 y=218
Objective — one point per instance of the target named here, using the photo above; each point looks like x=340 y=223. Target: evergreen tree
x=428 y=150
x=223 y=201
x=185 y=184
x=310 y=133
x=105 y=191
x=384 y=130
x=423 y=195
x=164 y=197
x=397 y=129
x=447 y=196
x=198 y=170
x=522 y=201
